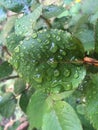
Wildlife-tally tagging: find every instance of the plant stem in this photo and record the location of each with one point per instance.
(8, 78)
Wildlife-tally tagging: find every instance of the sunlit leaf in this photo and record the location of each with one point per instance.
(36, 109)
(61, 116)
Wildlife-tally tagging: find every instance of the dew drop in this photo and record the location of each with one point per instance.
(67, 86)
(56, 73)
(56, 90)
(52, 63)
(37, 78)
(34, 35)
(53, 48)
(47, 42)
(67, 73)
(58, 38)
(76, 75)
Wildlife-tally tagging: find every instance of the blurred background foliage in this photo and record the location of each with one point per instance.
(18, 19)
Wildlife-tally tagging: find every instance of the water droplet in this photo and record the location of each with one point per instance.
(67, 73)
(56, 73)
(58, 38)
(34, 35)
(47, 42)
(67, 86)
(76, 75)
(56, 89)
(38, 78)
(62, 52)
(53, 47)
(52, 63)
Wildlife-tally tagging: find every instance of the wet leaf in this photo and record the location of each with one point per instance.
(24, 25)
(12, 41)
(52, 53)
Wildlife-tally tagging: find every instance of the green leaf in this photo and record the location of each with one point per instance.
(50, 59)
(12, 41)
(52, 11)
(7, 28)
(3, 14)
(36, 109)
(19, 86)
(24, 99)
(86, 36)
(61, 116)
(67, 1)
(24, 25)
(61, 96)
(7, 105)
(13, 5)
(93, 18)
(96, 37)
(91, 94)
(5, 69)
(89, 7)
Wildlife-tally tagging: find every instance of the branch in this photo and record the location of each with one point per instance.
(46, 20)
(8, 78)
(4, 48)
